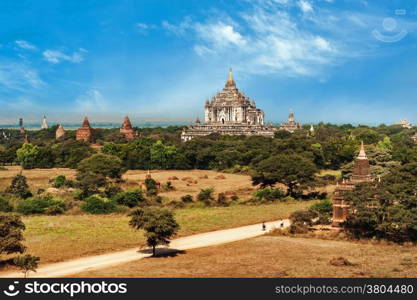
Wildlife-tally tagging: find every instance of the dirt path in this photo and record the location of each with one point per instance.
(75, 266)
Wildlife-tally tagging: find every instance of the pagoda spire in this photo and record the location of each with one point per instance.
(362, 153)
(230, 81)
(86, 123)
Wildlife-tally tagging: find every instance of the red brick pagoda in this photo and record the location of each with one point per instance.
(85, 132)
(127, 129)
(361, 173)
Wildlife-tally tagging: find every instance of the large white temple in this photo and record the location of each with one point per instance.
(230, 112)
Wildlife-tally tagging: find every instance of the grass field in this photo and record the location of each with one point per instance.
(275, 256)
(57, 238)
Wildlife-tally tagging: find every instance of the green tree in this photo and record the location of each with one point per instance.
(11, 234)
(291, 170)
(108, 166)
(162, 156)
(159, 225)
(27, 156)
(26, 263)
(5, 205)
(19, 187)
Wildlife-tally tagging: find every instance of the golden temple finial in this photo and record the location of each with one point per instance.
(230, 79)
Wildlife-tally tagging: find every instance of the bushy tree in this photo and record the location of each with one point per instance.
(105, 165)
(130, 198)
(19, 187)
(291, 170)
(26, 263)
(11, 234)
(206, 196)
(386, 209)
(159, 225)
(98, 205)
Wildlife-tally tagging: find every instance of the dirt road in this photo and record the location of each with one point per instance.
(75, 266)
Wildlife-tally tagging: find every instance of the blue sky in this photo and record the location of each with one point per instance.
(329, 60)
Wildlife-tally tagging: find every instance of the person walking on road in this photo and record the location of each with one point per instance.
(263, 226)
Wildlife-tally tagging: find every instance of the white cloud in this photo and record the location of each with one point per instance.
(55, 56)
(91, 101)
(305, 6)
(220, 35)
(25, 45)
(17, 76)
(143, 28)
(179, 29)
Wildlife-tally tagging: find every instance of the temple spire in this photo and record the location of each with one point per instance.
(362, 153)
(230, 81)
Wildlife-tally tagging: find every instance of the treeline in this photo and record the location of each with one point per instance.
(329, 147)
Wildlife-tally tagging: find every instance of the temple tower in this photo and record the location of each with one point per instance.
(361, 173)
(85, 132)
(127, 129)
(44, 123)
(60, 132)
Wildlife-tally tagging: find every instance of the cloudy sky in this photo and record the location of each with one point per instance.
(329, 60)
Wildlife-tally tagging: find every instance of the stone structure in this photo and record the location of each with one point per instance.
(291, 125)
(127, 129)
(85, 132)
(404, 124)
(60, 132)
(44, 123)
(230, 112)
(26, 140)
(22, 128)
(361, 173)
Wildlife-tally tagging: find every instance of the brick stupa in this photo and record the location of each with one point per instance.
(85, 132)
(127, 129)
(361, 173)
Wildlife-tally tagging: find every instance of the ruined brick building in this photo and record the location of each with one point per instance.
(85, 132)
(127, 129)
(230, 112)
(361, 173)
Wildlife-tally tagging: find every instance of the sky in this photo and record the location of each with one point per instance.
(338, 61)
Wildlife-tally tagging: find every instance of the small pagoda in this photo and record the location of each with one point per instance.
(361, 173)
(85, 132)
(291, 125)
(127, 129)
(60, 132)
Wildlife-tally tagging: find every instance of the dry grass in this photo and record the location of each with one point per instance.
(58, 238)
(275, 256)
(233, 183)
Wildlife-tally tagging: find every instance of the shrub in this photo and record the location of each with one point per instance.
(268, 195)
(222, 199)
(151, 187)
(19, 187)
(324, 211)
(301, 220)
(98, 205)
(5, 205)
(234, 198)
(59, 181)
(168, 186)
(40, 205)
(130, 198)
(112, 190)
(206, 196)
(187, 198)
(176, 204)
